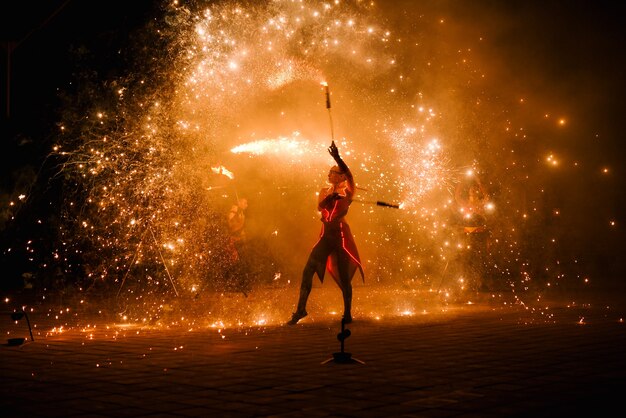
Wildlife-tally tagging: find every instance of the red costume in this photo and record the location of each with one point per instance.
(336, 245)
(335, 250)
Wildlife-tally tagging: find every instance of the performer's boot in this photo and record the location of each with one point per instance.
(301, 311)
(296, 316)
(305, 290)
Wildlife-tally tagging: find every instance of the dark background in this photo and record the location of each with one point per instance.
(40, 43)
(45, 45)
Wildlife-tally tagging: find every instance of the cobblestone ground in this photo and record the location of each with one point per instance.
(481, 360)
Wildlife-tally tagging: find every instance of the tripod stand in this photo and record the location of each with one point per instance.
(342, 357)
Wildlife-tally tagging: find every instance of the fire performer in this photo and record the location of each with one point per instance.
(236, 220)
(335, 250)
(474, 202)
(472, 205)
(238, 270)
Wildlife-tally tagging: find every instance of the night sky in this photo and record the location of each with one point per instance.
(568, 56)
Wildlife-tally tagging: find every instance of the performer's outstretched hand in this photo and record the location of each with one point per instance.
(334, 152)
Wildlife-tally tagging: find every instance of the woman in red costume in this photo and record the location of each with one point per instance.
(335, 250)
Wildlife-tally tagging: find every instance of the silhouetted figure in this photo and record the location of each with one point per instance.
(238, 273)
(237, 219)
(473, 202)
(335, 250)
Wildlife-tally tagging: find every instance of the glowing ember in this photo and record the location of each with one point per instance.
(224, 171)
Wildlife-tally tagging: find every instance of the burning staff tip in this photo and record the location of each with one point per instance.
(388, 205)
(327, 95)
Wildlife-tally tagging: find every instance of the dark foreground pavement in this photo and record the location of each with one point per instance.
(475, 361)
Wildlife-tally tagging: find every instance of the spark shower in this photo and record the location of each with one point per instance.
(225, 100)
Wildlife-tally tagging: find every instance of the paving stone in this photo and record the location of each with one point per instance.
(479, 361)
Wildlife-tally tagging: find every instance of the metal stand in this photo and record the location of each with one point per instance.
(343, 357)
(16, 316)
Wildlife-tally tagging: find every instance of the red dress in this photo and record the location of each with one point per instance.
(336, 250)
